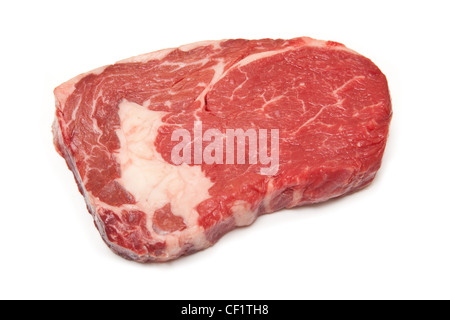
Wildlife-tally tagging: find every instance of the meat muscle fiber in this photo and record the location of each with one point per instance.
(328, 107)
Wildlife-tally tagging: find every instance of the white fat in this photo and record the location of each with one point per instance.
(155, 55)
(190, 46)
(161, 54)
(218, 72)
(243, 216)
(147, 176)
(296, 197)
(268, 196)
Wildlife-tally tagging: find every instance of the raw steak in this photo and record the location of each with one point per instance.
(114, 127)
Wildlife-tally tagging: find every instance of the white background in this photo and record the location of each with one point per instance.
(389, 241)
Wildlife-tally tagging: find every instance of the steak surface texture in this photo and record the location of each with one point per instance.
(115, 128)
